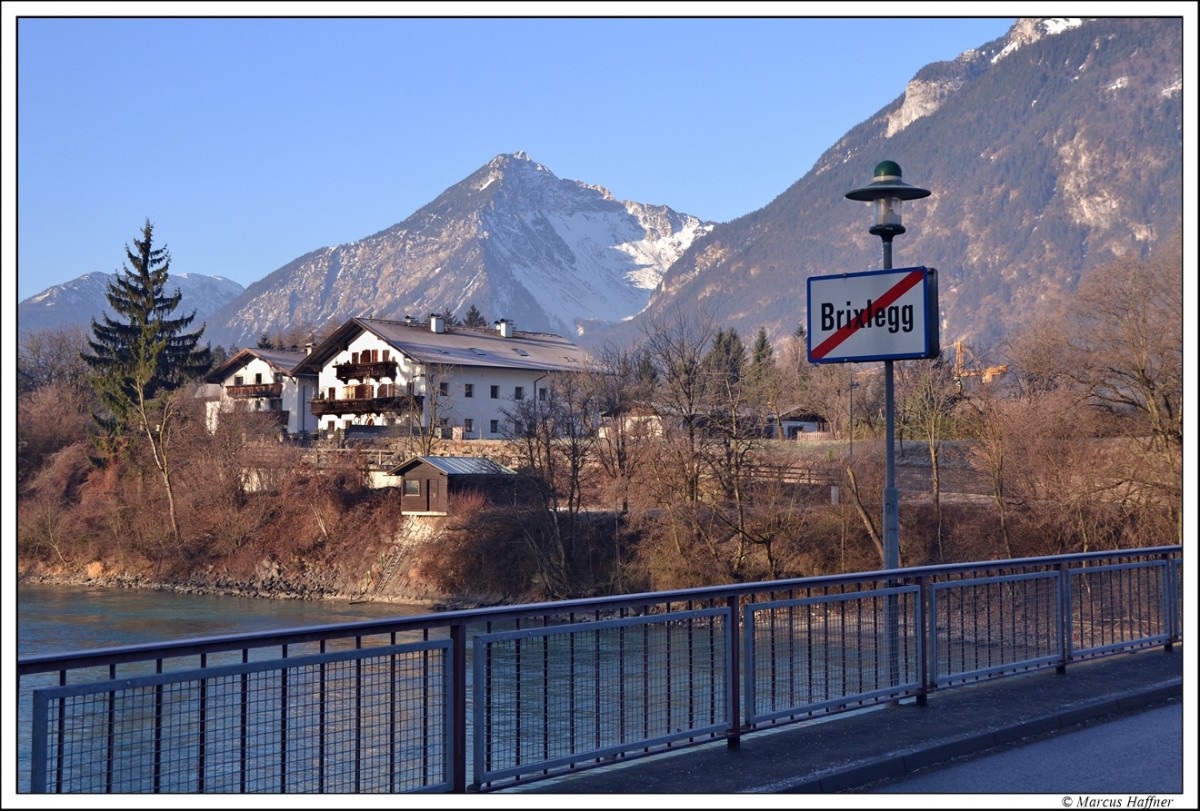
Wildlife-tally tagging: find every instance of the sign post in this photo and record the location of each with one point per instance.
(886, 193)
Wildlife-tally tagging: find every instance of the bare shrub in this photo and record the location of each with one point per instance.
(480, 555)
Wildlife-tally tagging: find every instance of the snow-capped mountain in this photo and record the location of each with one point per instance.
(77, 302)
(512, 239)
(1051, 152)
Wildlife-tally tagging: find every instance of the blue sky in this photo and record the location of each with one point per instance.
(249, 142)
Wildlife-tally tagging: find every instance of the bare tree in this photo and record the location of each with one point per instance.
(438, 406)
(553, 437)
(623, 388)
(51, 357)
(929, 395)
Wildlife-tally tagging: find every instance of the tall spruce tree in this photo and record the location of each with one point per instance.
(141, 355)
(474, 318)
(726, 359)
(762, 355)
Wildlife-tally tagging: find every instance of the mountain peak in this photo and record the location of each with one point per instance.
(512, 239)
(1028, 30)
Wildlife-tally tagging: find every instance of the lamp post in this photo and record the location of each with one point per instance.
(885, 194)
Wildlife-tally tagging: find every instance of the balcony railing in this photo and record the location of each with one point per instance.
(365, 371)
(400, 404)
(255, 390)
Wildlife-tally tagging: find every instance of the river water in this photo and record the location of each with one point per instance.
(62, 619)
(65, 619)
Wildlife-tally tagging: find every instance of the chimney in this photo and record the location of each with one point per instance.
(308, 349)
(437, 323)
(505, 328)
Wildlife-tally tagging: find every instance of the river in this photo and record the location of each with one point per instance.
(65, 619)
(62, 619)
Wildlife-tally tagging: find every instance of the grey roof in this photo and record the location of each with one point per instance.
(460, 466)
(461, 346)
(282, 360)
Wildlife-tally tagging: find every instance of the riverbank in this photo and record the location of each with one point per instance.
(388, 575)
(263, 592)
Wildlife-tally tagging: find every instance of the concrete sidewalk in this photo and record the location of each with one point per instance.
(841, 752)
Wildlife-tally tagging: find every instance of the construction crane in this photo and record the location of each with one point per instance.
(986, 373)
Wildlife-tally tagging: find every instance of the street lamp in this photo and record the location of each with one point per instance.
(885, 194)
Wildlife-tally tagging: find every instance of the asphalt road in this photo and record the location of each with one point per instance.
(1135, 754)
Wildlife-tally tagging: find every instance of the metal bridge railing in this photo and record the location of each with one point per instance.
(490, 698)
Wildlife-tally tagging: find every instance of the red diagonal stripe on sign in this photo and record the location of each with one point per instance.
(901, 287)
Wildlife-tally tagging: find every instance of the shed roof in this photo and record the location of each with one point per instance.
(457, 466)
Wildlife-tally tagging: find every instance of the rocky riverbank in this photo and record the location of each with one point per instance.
(388, 575)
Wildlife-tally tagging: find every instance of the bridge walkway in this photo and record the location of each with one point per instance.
(841, 752)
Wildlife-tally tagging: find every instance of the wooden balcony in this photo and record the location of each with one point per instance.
(255, 390)
(402, 404)
(365, 371)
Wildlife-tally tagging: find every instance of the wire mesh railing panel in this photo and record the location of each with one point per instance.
(358, 721)
(1119, 607)
(816, 654)
(992, 625)
(567, 696)
(504, 695)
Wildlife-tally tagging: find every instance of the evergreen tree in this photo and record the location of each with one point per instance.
(264, 342)
(727, 357)
(142, 356)
(474, 318)
(219, 356)
(762, 355)
(646, 374)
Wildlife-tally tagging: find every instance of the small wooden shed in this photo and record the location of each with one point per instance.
(427, 483)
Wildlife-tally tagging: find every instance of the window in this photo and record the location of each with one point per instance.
(468, 389)
(443, 388)
(542, 394)
(412, 487)
(494, 427)
(444, 422)
(519, 393)
(495, 392)
(258, 377)
(237, 381)
(468, 426)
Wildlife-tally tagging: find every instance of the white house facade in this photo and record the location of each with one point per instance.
(263, 380)
(457, 381)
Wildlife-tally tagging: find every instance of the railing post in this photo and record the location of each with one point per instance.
(734, 739)
(1064, 615)
(458, 762)
(1169, 595)
(923, 630)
